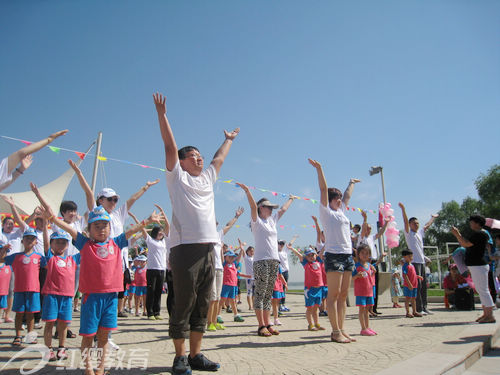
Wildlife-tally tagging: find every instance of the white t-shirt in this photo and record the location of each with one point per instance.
(157, 253)
(319, 246)
(370, 241)
(14, 239)
(193, 210)
(415, 241)
(337, 230)
(266, 238)
(248, 265)
(283, 255)
(217, 251)
(4, 171)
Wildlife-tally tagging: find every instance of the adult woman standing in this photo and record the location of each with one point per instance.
(475, 248)
(266, 258)
(338, 251)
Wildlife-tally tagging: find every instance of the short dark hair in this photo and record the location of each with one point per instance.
(154, 232)
(357, 226)
(479, 219)
(248, 249)
(412, 219)
(182, 153)
(406, 252)
(497, 236)
(7, 218)
(333, 193)
(67, 206)
(362, 247)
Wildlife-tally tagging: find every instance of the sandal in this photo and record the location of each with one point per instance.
(488, 319)
(17, 341)
(272, 330)
(346, 335)
(408, 315)
(342, 340)
(263, 331)
(70, 335)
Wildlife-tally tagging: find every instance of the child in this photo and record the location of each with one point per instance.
(313, 286)
(140, 284)
(248, 259)
(396, 291)
(26, 267)
(230, 283)
(58, 290)
(5, 275)
(410, 284)
(278, 293)
(364, 280)
(101, 276)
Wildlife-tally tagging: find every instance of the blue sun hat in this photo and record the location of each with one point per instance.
(60, 234)
(98, 214)
(30, 232)
(309, 251)
(230, 253)
(141, 258)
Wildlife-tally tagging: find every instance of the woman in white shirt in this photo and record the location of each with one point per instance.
(339, 262)
(266, 258)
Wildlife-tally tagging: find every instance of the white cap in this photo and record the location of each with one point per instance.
(107, 193)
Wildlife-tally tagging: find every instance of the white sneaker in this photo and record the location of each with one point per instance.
(23, 327)
(113, 345)
(38, 325)
(424, 313)
(30, 338)
(277, 322)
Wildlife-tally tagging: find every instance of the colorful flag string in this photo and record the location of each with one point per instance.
(82, 155)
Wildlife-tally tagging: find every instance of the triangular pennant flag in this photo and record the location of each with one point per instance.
(282, 226)
(314, 201)
(237, 226)
(81, 155)
(144, 166)
(283, 195)
(55, 149)
(161, 169)
(102, 158)
(263, 190)
(314, 226)
(306, 199)
(228, 181)
(27, 143)
(274, 193)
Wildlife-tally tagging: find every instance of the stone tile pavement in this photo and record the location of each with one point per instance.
(241, 351)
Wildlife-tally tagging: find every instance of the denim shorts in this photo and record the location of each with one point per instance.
(338, 262)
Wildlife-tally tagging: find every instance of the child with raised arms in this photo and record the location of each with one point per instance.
(313, 286)
(58, 290)
(410, 278)
(248, 260)
(5, 275)
(101, 276)
(230, 282)
(363, 276)
(26, 267)
(140, 284)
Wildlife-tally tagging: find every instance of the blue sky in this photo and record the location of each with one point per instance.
(413, 86)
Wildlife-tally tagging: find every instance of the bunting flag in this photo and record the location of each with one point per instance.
(82, 155)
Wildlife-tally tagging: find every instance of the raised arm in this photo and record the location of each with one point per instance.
(231, 222)
(348, 191)
(89, 194)
(140, 193)
(143, 231)
(251, 201)
(298, 253)
(461, 240)
(431, 220)
(25, 164)
(323, 187)
(15, 214)
(166, 227)
(16, 157)
(223, 150)
(286, 205)
(46, 239)
(364, 227)
(171, 157)
(154, 218)
(405, 217)
(318, 229)
(384, 227)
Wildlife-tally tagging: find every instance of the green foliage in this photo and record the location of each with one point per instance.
(488, 189)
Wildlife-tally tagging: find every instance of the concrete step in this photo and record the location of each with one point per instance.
(488, 364)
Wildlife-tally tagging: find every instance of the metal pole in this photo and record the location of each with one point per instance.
(383, 185)
(381, 238)
(96, 162)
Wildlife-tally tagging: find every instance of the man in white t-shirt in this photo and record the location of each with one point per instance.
(193, 235)
(414, 236)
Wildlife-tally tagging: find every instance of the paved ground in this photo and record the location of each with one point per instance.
(241, 351)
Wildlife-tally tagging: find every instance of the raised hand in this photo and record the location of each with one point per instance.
(26, 162)
(160, 105)
(401, 205)
(154, 218)
(363, 213)
(315, 219)
(73, 165)
(151, 183)
(316, 164)
(57, 134)
(243, 186)
(435, 215)
(455, 231)
(8, 200)
(354, 180)
(231, 135)
(242, 244)
(239, 211)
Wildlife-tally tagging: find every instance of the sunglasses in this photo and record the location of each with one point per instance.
(112, 199)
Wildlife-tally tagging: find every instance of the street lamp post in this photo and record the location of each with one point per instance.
(373, 171)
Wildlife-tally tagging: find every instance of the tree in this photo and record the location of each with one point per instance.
(488, 189)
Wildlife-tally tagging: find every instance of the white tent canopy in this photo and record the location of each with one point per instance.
(53, 192)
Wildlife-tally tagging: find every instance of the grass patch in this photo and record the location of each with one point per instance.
(435, 292)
